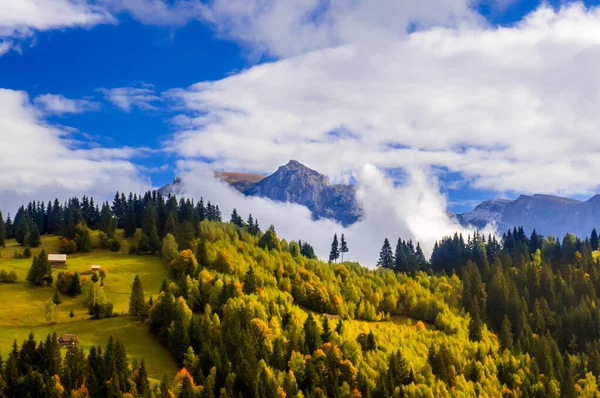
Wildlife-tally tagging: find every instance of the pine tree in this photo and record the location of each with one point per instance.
(170, 225)
(34, 236)
(137, 303)
(593, 239)
(343, 247)
(475, 323)
(334, 253)
(130, 223)
(141, 381)
(56, 298)
(236, 219)
(22, 224)
(165, 389)
(40, 270)
(34, 276)
(312, 335)
(386, 256)
(107, 223)
(506, 335)
(2, 230)
(250, 283)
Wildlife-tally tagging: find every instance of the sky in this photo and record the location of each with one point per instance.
(470, 99)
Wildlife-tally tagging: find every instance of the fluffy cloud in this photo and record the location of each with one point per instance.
(58, 104)
(39, 161)
(285, 28)
(22, 18)
(509, 109)
(420, 215)
(127, 98)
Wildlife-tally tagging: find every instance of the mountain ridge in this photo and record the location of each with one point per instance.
(297, 183)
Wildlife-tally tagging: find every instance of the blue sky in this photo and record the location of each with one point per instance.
(164, 48)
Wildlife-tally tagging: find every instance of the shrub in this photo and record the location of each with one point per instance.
(67, 246)
(115, 245)
(27, 252)
(105, 241)
(8, 277)
(68, 283)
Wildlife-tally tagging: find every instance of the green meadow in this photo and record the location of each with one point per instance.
(22, 307)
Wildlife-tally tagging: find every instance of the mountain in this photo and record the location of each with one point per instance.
(549, 215)
(294, 183)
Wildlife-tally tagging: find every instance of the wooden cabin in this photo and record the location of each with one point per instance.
(96, 268)
(57, 260)
(68, 340)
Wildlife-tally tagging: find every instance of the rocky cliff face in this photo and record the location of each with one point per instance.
(549, 215)
(296, 183)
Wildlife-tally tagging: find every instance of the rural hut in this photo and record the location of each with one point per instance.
(68, 340)
(57, 260)
(96, 268)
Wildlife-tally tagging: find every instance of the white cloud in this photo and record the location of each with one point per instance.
(39, 161)
(510, 109)
(58, 104)
(158, 12)
(22, 18)
(127, 98)
(5, 46)
(285, 28)
(420, 215)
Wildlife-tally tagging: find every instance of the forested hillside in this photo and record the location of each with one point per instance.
(245, 313)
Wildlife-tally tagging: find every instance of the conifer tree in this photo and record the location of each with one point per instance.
(130, 223)
(141, 381)
(107, 223)
(236, 219)
(2, 230)
(334, 253)
(34, 236)
(386, 256)
(10, 228)
(22, 225)
(137, 303)
(250, 283)
(40, 270)
(56, 298)
(506, 335)
(312, 335)
(343, 247)
(170, 225)
(593, 238)
(475, 323)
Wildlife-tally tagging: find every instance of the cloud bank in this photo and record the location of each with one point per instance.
(42, 162)
(508, 109)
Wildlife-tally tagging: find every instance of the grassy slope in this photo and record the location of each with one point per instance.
(22, 307)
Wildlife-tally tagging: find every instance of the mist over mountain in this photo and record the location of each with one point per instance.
(294, 183)
(297, 183)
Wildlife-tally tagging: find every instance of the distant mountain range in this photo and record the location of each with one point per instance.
(549, 215)
(296, 183)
